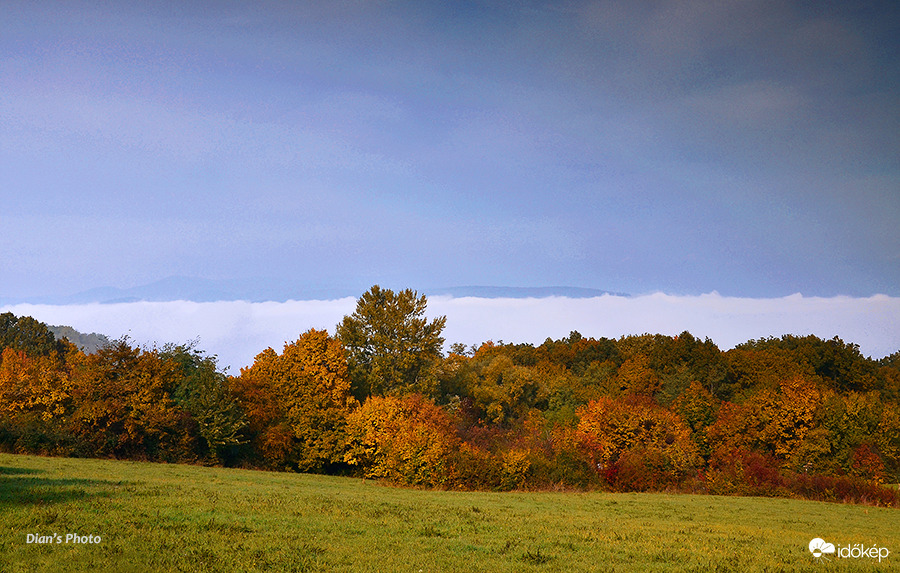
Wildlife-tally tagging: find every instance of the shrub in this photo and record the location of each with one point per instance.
(843, 489)
(476, 468)
(516, 468)
(744, 472)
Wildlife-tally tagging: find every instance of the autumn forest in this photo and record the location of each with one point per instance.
(795, 416)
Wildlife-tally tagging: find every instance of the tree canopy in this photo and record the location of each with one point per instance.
(26, 334)
(392, 347)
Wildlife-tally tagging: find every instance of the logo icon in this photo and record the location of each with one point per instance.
(818, 547)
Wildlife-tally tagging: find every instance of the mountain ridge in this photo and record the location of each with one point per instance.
(251, 290)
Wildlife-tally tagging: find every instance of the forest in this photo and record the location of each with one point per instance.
(795, 416)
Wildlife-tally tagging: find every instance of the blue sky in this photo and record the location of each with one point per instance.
(746, 147)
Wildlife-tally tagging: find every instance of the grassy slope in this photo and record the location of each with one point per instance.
(155, 517)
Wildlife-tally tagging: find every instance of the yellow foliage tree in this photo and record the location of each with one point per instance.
(779, 420)
(407, 440)
(636, 377)
(302, 394)
(37, 384)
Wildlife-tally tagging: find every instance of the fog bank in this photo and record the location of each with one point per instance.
(236, 331)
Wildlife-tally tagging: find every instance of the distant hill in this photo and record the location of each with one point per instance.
(268, 289)
(88, 343)
(521, 292)
(197, 290)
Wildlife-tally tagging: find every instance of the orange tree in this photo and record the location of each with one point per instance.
(35, 398)
(297, 402)
(636, 444)
(34, 384)
(779, 419)
(407, 440)
(124, 405)
(636, 377)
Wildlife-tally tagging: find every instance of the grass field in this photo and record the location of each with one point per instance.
(153, 517)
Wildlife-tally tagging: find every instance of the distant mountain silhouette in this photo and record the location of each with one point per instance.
(262, 290)
(521, 292)
(196, 290)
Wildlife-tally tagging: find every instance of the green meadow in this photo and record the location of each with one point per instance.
(157, 517)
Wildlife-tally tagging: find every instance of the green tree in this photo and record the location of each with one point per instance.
(501, 389)
(203, 393)
(27, 334)
(698, 408)
(392, 348)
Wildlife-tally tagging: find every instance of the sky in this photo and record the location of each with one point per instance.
(733, 165)
(746, 147)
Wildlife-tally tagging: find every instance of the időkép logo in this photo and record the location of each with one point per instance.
(822, 549)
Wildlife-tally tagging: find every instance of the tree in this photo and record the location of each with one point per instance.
(38, 384)
(27, 334)
(778, 420)
(698, 408)
(124, 404)
(636, 377)
(498, 387)
(636, 444)
(407, 440)
(298, 401)
(204, 394)
(392, 348)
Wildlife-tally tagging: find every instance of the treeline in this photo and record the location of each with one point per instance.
(790, 416)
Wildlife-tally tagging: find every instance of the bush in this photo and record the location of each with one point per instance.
(744, 472)
(476, 468)
(844, 489)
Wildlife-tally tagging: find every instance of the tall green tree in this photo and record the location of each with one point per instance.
(392, 348)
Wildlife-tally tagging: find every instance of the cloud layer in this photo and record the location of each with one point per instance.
(748, 147)
(236, 331)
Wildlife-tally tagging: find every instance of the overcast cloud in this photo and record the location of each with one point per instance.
(748, 147)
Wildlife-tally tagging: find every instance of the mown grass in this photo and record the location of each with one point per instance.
(154, 517)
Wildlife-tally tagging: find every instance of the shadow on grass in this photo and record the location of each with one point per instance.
(25, 489)
(19, 471)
